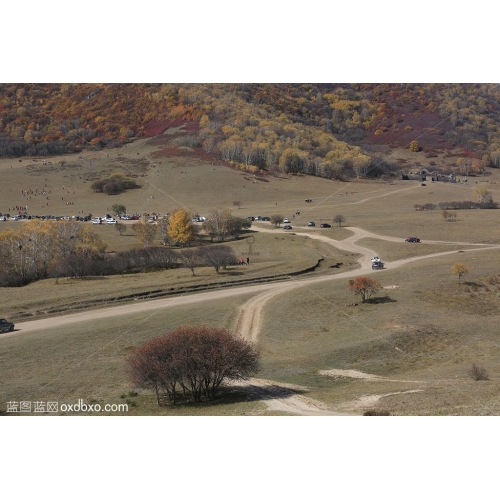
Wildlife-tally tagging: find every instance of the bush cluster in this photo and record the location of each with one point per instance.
(114, 184)
(457, 205)
(191, 363)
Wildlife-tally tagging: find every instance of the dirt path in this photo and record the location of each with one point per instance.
(249, 318)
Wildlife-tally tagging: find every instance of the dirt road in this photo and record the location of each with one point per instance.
(250, 314)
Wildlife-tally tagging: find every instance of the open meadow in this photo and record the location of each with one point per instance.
(407, 351)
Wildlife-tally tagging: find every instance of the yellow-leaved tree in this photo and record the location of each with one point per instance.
(180, 228)
(459, 268)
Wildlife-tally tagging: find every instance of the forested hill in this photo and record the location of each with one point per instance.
(331, 130)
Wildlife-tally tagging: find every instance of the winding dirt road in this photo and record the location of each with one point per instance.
(277, 396)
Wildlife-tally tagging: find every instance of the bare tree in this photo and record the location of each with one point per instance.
(276, 219)
(218, 256)
(121, 228)
(339, 219)
(190, 258)
(237, 203)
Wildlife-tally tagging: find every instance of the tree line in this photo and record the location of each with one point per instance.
(42, 249)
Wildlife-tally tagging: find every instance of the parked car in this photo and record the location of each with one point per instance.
(266, 218)
(111, 221)
(412, 239)
(311, 224)
(6, 326)
(287, 227)
(96, 220)
(325, 225)
(286, 221)
(251, 218)
(135, 217)
(258, 217)
(125, 217)
(377, 265)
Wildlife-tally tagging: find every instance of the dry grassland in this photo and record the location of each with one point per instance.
(423, 334)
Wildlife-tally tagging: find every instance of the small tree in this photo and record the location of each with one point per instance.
(145, 233)
(481, 194)
(449, 216)
(118, 209)
(237, 203)
(460, 269)
(478, 372)
(339, 219)
(364, 287)
(121, 228)
(190, 258)
(414, 146)
(276, 219)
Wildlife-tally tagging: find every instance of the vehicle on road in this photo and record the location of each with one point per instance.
(325, 225)
(311, 224)
(96, 220)
(111, 221)
(377, 263)
(287, 227)
(286, 221)
(412, 239)
(6, 326)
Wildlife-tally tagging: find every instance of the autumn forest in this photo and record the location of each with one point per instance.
(327, 130)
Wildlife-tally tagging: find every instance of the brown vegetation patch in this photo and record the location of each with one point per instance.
(170, 151)
(156, 127)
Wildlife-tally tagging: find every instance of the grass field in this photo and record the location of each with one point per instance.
(88, 361)
(424, 332)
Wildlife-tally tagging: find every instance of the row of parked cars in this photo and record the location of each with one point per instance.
(259, 217)
(309, 224)
(8, 217)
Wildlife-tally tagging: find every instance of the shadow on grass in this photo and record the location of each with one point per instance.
(379, 300)
(241, 394)
(262, 393)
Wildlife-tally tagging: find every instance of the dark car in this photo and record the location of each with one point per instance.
(6, 326)
(412, 239)
(377, 265)
(287, 227)
(325, 225)
(265, 218)
(311, 224)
